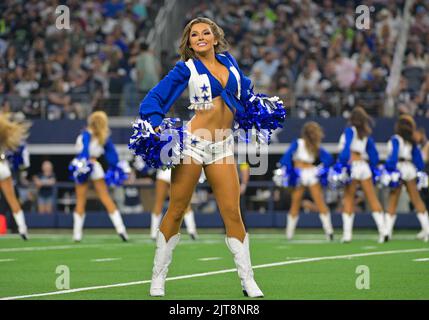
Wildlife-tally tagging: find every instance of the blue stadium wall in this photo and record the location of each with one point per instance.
(65, 131)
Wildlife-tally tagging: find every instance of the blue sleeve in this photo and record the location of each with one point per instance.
(286, 160)
(372, 152)
(86, 139)
(417, 158)
(326, 158)
(344, 155)
(160, 99)
(392, 160)
(110, 153)
(246, 83)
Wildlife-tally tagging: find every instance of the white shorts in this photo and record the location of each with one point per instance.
(308, 177)
(164, 175)
(360, 170)
(408, 170)
(4, 170)
(207, 152)
(97, 171)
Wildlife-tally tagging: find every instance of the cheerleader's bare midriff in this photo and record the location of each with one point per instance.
(214, 124)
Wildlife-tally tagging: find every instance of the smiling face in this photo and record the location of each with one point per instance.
(202, 39)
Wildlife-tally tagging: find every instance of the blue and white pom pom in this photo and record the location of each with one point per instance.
(339, 175)
(323, 175)
(20, 158)
(283, 177)
(422, 180)
(80, 170)
(390, 178)
(117, 175)
(263, 113)
(377, 173)
(161, 149)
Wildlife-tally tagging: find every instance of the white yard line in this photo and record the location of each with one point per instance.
(421, 260)
(205, 274)
(210, 259)
(105, 259)
(6, 260)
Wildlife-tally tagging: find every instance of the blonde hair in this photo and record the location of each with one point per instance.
(98, 124)
(187, 53)
(12, 133)
(312, 134)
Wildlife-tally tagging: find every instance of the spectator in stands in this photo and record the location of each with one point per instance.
(44, 182)
(148, 69)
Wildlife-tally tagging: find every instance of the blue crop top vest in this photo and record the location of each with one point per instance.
(160, 99)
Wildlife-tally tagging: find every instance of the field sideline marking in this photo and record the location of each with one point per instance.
(421, 260)
(105, 259)
(6, 260)
(196, 275)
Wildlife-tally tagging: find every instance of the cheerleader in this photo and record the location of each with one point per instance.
(11, 136)
(219, 93)
(162, 185)
(357, 150)
(299, 161)
(405, 157)
(90, 145)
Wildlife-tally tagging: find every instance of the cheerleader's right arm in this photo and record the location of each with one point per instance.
(159, 100)
(392, 160)
(344, 155)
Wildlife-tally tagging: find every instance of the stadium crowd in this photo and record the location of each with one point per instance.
(53, 73)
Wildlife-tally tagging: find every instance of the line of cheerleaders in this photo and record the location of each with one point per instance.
(304, 165)
(357, 164)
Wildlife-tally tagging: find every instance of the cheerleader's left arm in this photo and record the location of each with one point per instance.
(372, 152)
(417, 158)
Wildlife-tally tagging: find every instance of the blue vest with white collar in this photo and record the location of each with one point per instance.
(203, 88)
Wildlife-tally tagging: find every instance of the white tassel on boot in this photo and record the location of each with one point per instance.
(22, 226)
(191, 227)
(327, 225)
(381, 226)
(163, 257)
(347, 227)
(78, 222)
(155, 221)
(241, 254)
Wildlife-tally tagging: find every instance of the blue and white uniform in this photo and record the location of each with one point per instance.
(404, 157)
(350, 142)
(87, 147)
(4, 167)
(203, 88)
(298, 152)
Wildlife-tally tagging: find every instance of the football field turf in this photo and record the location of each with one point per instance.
(102, 267)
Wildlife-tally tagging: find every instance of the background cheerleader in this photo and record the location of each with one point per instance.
(162, 186)
(90, 145)
(356, 146)
(12, 134)
(299, 161)
(405, 157)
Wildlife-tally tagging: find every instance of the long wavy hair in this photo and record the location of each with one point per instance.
(405, 127)
(12, 133)
(312, 134)
(360, 119)
(98, 124)
(186, 52)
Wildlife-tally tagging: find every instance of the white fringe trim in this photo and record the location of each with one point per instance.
(201, 106)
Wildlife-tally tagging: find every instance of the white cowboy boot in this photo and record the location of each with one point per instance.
(241, 255)
(163, 257)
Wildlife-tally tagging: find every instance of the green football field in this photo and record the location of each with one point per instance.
(102, 267)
